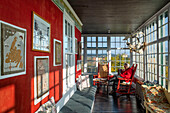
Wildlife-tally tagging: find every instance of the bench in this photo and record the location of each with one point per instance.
(155, 99)
(82, 101)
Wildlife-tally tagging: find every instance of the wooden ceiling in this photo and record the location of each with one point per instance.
(120, 16)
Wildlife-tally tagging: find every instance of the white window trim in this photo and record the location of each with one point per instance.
(67, 17)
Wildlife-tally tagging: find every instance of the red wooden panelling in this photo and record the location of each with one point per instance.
(17, 93)
(78, 36)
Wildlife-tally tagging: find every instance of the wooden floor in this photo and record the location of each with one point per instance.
(116, 104)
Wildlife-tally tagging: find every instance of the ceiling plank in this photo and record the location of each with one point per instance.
(120, 16)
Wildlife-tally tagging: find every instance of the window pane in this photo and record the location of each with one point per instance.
(82, 52)
(104, 44)
(99, 44)
(89, 58)
(104, 52)
(88, 39)
(94, 58)
(99, 52)
(166, 17)
(117, 39)
(65, 27)
(122, 39)
(117, 45)
(94, 39)
(82, 39)
(99, 39)
(88, 44)
(93, 44)
(71, 31)
(104, 39)
(93, 52)
(166, 46)
(113, 45)
(88, 52)
(166, 29)
(113, 39)
(68, 29)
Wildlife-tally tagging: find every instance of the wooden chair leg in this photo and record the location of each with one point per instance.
(118, 86)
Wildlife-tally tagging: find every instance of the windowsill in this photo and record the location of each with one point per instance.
(115, 73)
(69, 88)
(139, 78)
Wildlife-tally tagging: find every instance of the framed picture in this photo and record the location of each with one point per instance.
(41, 77)
(76, 46)
(57, 53)
(40, 34)
(79, 50)
(13, 50)
(78, 65)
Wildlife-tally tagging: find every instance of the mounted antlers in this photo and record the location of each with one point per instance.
(139, 47)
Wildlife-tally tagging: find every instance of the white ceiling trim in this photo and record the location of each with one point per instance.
(73, 12)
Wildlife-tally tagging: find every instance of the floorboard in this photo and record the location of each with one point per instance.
(116, 104)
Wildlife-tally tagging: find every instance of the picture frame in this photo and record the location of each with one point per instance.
(78, 65)
(41, 78)
(76, 46)
(41, 34)
(13, 50)
(79, 50)
(57, 53)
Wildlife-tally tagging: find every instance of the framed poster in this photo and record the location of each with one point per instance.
(13, 50)
(41, 77)
(78, 65)
(57, 53)
(79, 50)
(76, 46)
(40, 34)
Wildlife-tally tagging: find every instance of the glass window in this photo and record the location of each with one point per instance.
(119, 53)
(69, 55)
(93, 39)
(99, 39)
(163, 25)
(82, 54)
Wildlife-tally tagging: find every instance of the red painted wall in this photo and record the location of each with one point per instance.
(17, 93)
(78, 36)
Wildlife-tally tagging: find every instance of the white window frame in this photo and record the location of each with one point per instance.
(71, 78)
